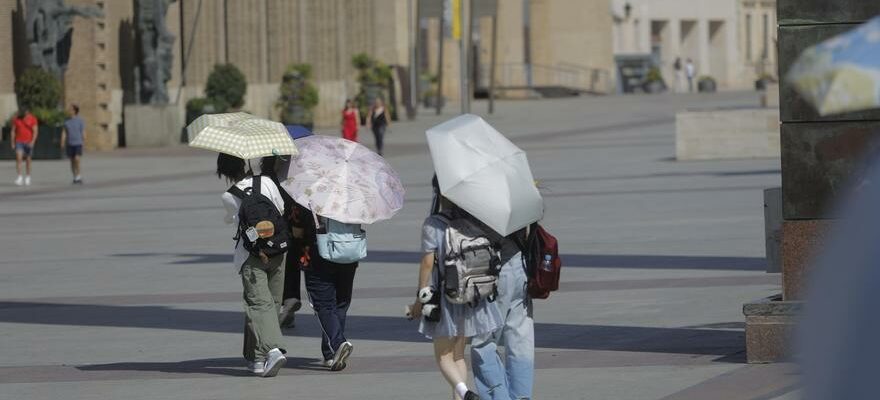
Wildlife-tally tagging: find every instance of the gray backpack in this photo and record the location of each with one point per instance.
(470, 263)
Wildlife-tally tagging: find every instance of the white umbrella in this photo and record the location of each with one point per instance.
(241, 135)
(485, 174)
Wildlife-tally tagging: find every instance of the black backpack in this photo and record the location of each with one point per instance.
(260, 225)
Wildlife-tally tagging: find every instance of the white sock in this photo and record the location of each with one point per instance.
(461, 389)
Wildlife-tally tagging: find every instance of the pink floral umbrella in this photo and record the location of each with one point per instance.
(343, 180)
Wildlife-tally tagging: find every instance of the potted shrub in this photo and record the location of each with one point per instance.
(224, 92)
(40, 92)
(654, 81)
(375, 80)
(428, 95)
(763, 80)
(706, 84)
(298, 96)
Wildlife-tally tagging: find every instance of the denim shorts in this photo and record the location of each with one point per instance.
(74, 150)
(24, 149)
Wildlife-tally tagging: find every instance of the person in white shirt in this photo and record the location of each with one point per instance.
(262, 280)
(691, 72)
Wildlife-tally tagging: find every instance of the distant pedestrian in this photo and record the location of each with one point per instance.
(691, 72)
(350, 120)
(24, 137)
(679, 75)
(262, 276)
(449, 325)
(73, 137)
(379, 121)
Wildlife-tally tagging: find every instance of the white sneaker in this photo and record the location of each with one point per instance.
(341, 356)
(27, 180)
(257, 367)
(329, 364)
(19, 181)
(274, 361)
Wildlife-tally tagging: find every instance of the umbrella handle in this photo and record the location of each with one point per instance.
(314, 216)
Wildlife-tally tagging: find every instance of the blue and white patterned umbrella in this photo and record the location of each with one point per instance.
(841, 74)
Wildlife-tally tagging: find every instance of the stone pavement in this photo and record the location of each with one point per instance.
(123, 288)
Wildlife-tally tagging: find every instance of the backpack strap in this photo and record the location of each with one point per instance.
(256, 184)
(235, 191)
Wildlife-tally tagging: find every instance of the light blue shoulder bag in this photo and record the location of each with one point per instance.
(339, 242)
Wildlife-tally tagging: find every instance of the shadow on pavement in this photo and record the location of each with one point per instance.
(210, 366)
(709, 263)
(380, 328)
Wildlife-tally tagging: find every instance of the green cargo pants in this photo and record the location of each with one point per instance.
(263, 290)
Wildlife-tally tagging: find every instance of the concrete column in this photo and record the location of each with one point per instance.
(7, 69)
(734, 59)
(220, 22)
(263, 27)
(644, 33)
(703, 64)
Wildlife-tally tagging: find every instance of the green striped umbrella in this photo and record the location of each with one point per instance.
(241, 135)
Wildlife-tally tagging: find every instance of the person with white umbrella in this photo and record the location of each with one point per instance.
(260, 243)
(483, 173)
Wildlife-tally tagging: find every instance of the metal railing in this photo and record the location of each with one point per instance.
(563, 75)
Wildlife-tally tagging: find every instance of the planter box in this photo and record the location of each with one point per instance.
(48, 146)
(769, 325)
(727, 134)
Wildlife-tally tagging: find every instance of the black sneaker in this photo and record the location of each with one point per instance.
(471, 396)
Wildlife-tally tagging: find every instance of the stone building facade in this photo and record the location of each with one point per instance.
(733, 41)
(261, 37)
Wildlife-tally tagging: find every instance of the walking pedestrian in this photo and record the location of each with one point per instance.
(350, 120)
(275, 167)
(454, 324)
(379, 121)
(691, 72)
(510, 378)
(262, 277)
(24, 137)
(73, 137)
(329, 286)
(679, 75)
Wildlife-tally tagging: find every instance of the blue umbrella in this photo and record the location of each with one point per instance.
(297, 131)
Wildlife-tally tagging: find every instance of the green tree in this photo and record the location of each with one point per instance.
(228, 84)
(40, 92)
(374, 78)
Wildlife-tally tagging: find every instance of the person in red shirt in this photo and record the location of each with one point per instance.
(24, 135)
(350, 120)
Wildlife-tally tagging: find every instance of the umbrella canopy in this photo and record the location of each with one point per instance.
(485, 174)
(297, 131)
(343, 180)
(240, 134)
(841, 74)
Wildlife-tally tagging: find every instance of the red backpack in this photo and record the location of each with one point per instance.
(542, 261)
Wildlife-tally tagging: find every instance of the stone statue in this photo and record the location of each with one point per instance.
(49, 32)
(157, 44)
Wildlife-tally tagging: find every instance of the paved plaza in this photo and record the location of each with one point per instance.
(123, 288)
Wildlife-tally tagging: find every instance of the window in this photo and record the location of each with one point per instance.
(766, 37)
(748, 37)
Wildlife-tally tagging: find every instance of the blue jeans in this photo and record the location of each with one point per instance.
(512, 378)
